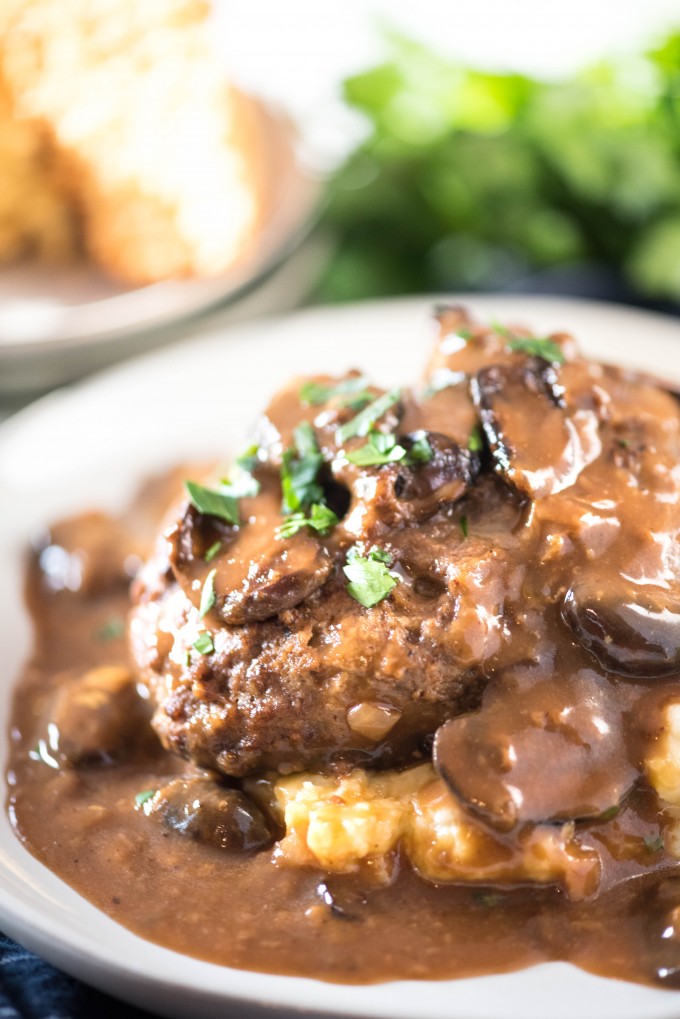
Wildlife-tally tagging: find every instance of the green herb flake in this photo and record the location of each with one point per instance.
(204, 644)
(249, 459)
(112, 629)
(212, 551)
(545, 348)
(421, 451)
(321, 519)
(207, 594)
(316, 393)
(362, 423)
(213, 503)
(370, 579)
(654, 844)
(381, 448)
(299, 471)
(610, 813)
(239, 484)
(476, 442)
(464, 525)
(144, 797)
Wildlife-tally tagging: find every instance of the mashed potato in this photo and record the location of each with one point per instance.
(364, 818)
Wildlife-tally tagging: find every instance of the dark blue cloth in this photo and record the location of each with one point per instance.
(32, 989)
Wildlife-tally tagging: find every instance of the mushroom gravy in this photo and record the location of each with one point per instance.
(557, 739)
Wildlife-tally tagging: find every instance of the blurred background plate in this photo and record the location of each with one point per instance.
(56, 322)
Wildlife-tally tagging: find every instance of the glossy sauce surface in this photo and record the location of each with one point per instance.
(554, 606)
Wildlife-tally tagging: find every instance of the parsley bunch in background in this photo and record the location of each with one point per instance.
(470, 180)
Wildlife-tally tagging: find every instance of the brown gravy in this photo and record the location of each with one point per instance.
(243, 911)
(253, 910)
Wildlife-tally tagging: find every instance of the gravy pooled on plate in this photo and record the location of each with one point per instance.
(399, 695)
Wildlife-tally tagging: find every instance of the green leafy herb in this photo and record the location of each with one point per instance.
(610, 813)
(536, 345)
(370, 580)
(545, 348)
(321, 518)
(299, 471)
(357, 401)
(207, 594)
(420, 451)
(476, 442)
(112, 629)
(366, 418)
(213, 503)
(144, 797)
(464, 525)
(240, 484)
(212, 551)
(204, 644)
(381, 448)
(316, 393)
(249, 459)
(654, 844)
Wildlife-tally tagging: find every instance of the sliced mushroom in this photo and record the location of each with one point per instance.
(257, 574)
(631, 629)
(512, 398)
(553, 751)
(441, 480)
(394, 494)
(96, 717)
(210, 813)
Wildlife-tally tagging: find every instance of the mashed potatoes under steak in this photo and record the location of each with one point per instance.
(363, 818)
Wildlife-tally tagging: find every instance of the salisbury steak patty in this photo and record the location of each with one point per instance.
(376, 559)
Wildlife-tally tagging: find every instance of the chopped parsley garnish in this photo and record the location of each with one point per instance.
(144, 797)
(465, 334)
(204, 644)
(240, 484)
(464, 525)
(316, 393)
(545, 348)
(321, 518)
(370, 580)
(213, 503)
(420, 451)
(654, 844)
(381, 448)
(475, 442)
(112, 629)
(249, 459)
(537, 346)
(207, 594)
(212, 551)
(358, 401)
(361, 424)
(299, 470)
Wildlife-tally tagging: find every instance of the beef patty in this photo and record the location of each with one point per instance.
(379, 559)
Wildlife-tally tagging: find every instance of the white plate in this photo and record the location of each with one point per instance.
(89, 446)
